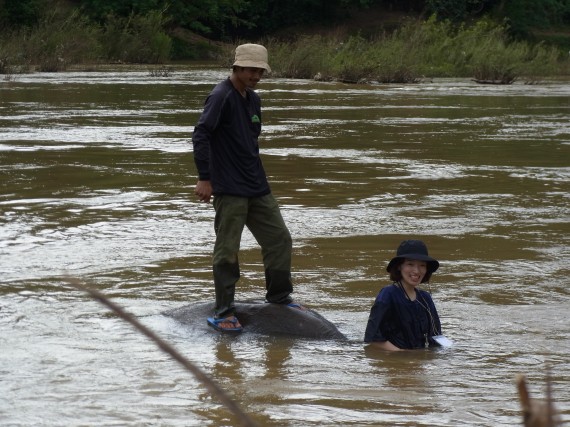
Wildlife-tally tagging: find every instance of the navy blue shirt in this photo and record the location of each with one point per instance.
(226, 150)
(405, 323)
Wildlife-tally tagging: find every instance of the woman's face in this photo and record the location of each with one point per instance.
(413, 272)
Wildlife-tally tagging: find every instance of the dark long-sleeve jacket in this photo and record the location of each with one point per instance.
(404, 323)
(225, 143)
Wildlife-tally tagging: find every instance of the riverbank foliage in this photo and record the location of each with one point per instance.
(416, 51)
(64, 37)
(470, 39)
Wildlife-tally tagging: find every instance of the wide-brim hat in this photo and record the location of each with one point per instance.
(252, 55)
(414, 249)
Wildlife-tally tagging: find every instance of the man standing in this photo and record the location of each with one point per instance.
(226, 153)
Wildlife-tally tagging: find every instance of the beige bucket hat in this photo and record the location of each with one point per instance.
(252, 55)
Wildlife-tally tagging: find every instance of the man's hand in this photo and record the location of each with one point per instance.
(203, 191)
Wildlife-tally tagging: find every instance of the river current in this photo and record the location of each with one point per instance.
(97, 181)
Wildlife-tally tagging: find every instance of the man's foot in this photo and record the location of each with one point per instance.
(225, 324)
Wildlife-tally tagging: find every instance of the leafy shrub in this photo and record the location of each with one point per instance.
(138, 39)
(431, 48)
(302, 58)
(59, 41)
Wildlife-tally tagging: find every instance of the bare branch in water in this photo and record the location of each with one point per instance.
(537, 413)
(212, 387)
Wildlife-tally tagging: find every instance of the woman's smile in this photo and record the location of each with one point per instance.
(413, 272)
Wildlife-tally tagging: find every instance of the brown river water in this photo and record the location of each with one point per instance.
(97, 180)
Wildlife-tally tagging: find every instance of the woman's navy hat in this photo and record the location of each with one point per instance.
(414, 249)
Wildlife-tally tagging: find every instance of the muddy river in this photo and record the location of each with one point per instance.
(97, 180)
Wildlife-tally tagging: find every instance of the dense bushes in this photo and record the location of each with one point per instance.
(49, 46)
(138, 39)
(62, 38)
(417, 50)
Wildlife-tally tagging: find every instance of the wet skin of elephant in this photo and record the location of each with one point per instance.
(264, 318)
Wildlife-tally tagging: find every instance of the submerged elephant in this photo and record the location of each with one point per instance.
(264, 318)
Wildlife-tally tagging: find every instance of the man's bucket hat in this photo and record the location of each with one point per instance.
(252, 55)
(414, 249)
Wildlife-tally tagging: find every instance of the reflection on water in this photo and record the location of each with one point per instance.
(97, 181)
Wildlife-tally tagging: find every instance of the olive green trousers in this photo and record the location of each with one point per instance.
(261, 215)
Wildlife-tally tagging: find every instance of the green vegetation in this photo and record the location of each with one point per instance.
(419, 50)
(495, 40)
(63, 36)
(48, 45)
(136, 39)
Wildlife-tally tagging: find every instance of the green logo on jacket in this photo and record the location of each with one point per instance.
(255, 119)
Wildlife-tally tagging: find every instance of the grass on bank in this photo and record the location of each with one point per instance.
(60, 41)
(419, 49)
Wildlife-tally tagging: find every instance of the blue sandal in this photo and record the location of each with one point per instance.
(215, 323)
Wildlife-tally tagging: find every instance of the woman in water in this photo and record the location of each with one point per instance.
(404, 316)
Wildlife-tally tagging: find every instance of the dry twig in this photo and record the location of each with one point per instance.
(212, 387)
(537, 413)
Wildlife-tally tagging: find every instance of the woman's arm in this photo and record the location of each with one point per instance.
(385, 345)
